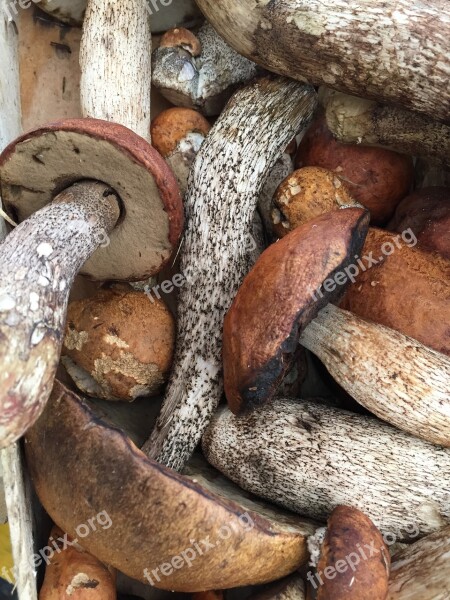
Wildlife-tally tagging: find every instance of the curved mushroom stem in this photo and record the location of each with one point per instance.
(40, 259)
(394, 376)
(224, 187)
(115, 59)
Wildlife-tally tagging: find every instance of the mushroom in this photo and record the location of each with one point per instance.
(118, 344)
(291, 282)
(309, 458)
(68, 160)
(199, 71)
(181, 12)
(355, 120)
(289, 588)
(177, 532)
(225, 183)
(426, 213)
(177, 134)
(351, 46)
(376, 178)
(421, 569)
(72, 572)
(351, 559)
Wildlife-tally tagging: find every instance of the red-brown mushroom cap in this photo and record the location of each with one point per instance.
(41, 163)
(278, 299)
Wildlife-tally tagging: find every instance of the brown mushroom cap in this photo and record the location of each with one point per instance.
(40, 164)
(277, 301)
(122, 340)
(81, 467)
(375, 177)
(354, 561)
(173, 125)
(306, 194)
(179, 37)
(427, 213)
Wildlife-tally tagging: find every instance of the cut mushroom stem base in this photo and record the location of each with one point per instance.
(394, 376)
(40, 259)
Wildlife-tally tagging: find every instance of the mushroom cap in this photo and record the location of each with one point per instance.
(375, 177)
(179, 37)
(80, 467)
(122, 340)
(41, 163)
(352, 538)
(427, 213)
(278, 299)
(173, 125)
(306, 194)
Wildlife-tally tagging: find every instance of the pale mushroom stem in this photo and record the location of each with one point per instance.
(40, 259)
(394, 376)
(115, 59)
(224, 187)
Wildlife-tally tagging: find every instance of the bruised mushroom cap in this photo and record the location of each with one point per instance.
(354, 560)
(119, 344)
(306, 194)
(426, 213)
(173, 125)
(375, 177)
(40, 164)
(80, 467)
(277, 301)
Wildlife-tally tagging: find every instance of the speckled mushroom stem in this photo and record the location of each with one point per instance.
(224, 187)
(350, 46)
(115, 59)
(40, 259)
(355, 120)
(394, 376)
(422, 569)
(310, 457)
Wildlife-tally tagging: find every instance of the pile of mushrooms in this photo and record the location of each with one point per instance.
(167, 404)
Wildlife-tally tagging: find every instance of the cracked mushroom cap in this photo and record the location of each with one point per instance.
(306, 194)
(375, 177)
(41, 163)
(277, 300)
(119, 344)
(354, 561)
(80, 466)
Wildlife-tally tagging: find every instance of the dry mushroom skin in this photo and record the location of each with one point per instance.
(395, 479)
(421, 569)
(251, 542)
(353, 561)
(224, 186)
(42, 255)
(346, 46)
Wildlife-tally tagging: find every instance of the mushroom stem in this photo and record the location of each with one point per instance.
(115, 59)
(309, 457)
(225, 184)
(350, 46)
(422, 569)
(355, 120)
(394, 376)
(40, 259)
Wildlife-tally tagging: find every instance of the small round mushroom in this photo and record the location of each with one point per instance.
(201, 71)
(426, 213)
(119, 344)
(177, 134)
(309, 458)
(306, 194)
(375, 177)
(55, 171)
(352, 560)
(283, 297)
(185, 533)
(163, 14)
